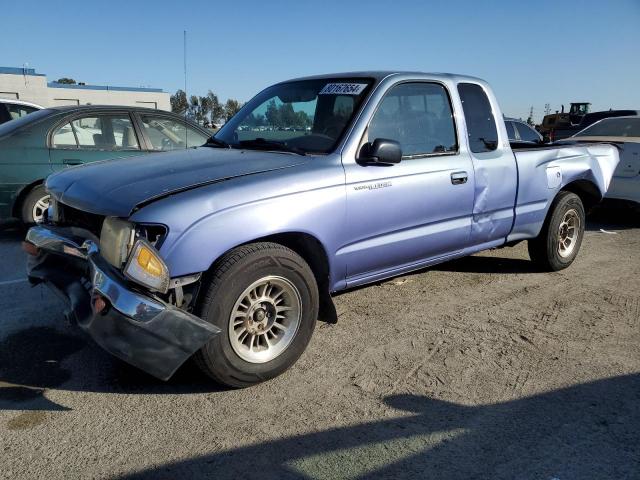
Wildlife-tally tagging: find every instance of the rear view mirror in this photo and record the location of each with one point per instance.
(381, 152)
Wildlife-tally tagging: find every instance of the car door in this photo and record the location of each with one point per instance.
(496, 173)
(402, 216)
(164, 133)
(92, 136)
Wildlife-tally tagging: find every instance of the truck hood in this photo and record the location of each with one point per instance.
(116, 187)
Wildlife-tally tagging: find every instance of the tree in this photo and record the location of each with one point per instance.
(231, 108)
(179, 102)
(273, 114)
(216, 109)
(66, 81)
(198, 108)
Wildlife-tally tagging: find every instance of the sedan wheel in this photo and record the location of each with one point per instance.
(41, 206)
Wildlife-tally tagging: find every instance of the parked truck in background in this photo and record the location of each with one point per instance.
(229, 252)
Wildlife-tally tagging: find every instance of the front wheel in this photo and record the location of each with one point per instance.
(559, 241)
(34, 205)
(264, 298)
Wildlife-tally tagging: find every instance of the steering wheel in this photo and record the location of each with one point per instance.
(331, 131)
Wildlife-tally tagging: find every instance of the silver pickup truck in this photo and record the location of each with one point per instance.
(230, 251)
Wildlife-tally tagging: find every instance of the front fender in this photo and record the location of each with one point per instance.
(207, 222)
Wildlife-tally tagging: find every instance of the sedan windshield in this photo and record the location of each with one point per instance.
(613, 127)
(305, 116)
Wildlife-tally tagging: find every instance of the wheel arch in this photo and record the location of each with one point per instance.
(589, 193)
(22, 194)
(313, 251)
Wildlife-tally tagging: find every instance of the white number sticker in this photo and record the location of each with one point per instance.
(343, 89)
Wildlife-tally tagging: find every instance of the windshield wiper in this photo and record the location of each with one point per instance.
(263, 144)
(216, 142)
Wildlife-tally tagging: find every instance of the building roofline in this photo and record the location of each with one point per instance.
(104, 87)
(20, 71)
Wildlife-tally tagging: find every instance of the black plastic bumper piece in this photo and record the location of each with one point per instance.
(137, 328)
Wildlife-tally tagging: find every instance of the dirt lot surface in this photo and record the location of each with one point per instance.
(478, 368)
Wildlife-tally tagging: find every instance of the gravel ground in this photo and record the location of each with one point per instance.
(478, 368)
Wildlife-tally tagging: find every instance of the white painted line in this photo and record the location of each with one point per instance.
(11, 282)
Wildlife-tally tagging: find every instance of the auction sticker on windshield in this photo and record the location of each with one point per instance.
(343, 89)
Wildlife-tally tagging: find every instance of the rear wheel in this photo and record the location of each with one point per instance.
(264, 298)
(34, 205)
(559, 241)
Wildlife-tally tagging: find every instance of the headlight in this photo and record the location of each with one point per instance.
(147, 268)
(116, 238)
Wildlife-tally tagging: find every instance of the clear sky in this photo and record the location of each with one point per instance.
(533, 52)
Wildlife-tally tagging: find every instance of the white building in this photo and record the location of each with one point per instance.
(25, 84)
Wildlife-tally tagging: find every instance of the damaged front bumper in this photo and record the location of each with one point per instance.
(140, 329)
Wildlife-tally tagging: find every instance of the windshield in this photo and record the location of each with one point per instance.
(613, 127)
(307, 116)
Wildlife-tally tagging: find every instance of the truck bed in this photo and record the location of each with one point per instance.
(545, 168)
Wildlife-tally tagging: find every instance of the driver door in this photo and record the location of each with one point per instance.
(404, 215)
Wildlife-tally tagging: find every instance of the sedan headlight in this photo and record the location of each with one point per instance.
(147, 268)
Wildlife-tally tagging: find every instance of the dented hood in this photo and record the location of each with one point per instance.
(116, 187)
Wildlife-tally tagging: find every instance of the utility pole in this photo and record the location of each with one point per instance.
(530, 119)
(547, 109)
(185, 87)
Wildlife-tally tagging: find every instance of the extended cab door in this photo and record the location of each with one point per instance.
(496, 173)
(92, 136)
(404, 215)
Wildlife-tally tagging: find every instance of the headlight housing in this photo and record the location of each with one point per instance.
(116, 238)
(145, 267)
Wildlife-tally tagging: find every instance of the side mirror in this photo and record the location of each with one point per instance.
(546, 138)
(381, 152)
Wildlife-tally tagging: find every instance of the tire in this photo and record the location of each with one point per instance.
(34, 204)
(228, 358)
(565, 216)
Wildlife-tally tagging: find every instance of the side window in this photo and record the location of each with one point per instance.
(167, 134)
(103, 132)
(481, 126)
(419, 116)
(510, 131)
(63, 137)
(527, 134)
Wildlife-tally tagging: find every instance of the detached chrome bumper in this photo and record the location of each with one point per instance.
(137, 328)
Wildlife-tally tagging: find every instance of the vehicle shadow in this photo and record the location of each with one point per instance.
(482, 264)
(613, 216)
(39, 358)
(590, 430)
(11, 231)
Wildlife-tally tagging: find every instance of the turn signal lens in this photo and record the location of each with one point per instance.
(147, 260)
(147, 268)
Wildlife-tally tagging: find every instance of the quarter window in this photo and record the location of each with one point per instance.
(481, 125)
(64, 137)
(418, 116)
(167, 134)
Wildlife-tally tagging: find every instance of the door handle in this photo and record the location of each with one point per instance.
(458, 178)
(72, 161)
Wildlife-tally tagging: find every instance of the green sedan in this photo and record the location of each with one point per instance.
(49, 140)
